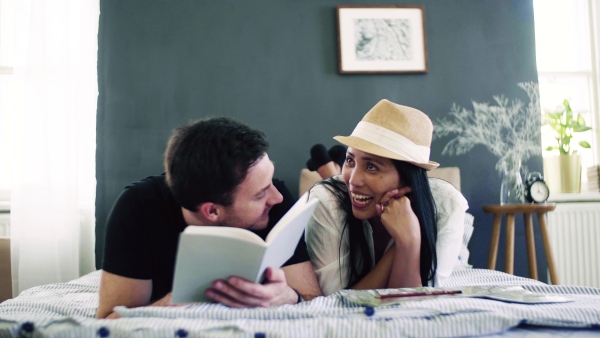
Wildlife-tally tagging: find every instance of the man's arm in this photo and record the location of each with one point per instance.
(279, 288)
(116, 290)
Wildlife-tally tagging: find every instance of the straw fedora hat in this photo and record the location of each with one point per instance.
(396, 132)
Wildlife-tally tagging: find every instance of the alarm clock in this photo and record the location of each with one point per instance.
(536, 189)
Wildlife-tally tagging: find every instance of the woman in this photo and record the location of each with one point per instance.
(382, 223)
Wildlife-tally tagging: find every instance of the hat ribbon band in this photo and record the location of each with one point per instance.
(392, 141)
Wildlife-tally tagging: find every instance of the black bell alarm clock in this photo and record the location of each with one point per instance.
(536, 189)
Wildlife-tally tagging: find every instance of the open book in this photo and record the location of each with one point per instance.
(207, 253)
(510, 294)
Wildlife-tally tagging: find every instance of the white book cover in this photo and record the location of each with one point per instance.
(208, 253)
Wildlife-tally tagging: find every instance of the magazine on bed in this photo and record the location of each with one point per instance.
(207, 253)
(511, 294)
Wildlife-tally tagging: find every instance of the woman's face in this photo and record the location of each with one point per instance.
(368, 178)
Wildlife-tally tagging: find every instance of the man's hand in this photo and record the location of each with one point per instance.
(240, 293)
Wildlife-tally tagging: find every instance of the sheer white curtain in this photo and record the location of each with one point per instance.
(54, 111)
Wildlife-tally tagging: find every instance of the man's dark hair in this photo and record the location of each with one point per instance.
(205, 161)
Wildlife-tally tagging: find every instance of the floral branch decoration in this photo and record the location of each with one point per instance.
(510, 129)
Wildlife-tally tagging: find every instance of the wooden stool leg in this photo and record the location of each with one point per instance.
(510, 244)
(494, 242)
(547, 248)
(533, 273)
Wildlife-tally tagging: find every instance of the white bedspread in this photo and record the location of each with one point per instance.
(67, 310)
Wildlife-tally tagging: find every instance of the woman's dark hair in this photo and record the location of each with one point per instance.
(423, 205)
(360, 255)
(206, 160)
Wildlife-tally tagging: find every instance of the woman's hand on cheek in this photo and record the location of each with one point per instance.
(399, 219)
(392, 194)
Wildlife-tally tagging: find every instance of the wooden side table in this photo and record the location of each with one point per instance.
(526, 209)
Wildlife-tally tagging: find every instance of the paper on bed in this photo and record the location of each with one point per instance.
(207, 253)
(511, 294)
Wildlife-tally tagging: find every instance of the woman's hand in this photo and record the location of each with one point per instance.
(402, 224)
(397, 216)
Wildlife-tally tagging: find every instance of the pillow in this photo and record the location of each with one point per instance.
(463, 255)
(307, 180)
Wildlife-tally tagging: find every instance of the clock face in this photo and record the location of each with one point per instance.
(539, 191)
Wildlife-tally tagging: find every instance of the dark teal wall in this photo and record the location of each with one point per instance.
(273, 65)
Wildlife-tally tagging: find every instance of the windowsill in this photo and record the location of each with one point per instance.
(572, 198)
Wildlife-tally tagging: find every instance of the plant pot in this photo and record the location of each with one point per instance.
(563, 173)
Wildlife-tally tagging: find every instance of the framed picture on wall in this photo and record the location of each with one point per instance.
(381, 39)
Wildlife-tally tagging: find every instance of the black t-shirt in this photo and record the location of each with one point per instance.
(143, 231)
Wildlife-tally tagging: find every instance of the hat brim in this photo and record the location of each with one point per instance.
(371, 148)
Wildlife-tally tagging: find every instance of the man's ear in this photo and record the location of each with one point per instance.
(210, 211)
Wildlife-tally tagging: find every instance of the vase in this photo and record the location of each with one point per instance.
(511, 189)
(563, 173)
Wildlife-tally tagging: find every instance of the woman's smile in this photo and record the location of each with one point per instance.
(360, 200)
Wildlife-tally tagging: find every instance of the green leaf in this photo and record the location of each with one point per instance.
(564, 123)
(567, 105)
(579, 129)
(555, 116)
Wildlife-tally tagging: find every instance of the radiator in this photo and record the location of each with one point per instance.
(574, 231)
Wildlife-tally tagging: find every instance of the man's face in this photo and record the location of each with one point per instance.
(253, 198)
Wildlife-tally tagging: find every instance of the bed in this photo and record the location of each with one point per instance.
(67, 310)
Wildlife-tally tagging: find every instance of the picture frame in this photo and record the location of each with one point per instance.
(381, 39)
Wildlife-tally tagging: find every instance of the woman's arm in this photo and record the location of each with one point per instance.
(379, 277)
(395, 269)
(406, 269)
(402, 224)
(323, 239)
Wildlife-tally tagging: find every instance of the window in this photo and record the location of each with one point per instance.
(567, 42)
(38, 49)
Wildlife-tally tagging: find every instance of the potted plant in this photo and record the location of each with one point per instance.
(563, 172)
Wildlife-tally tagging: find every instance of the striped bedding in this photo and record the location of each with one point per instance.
(67, 310)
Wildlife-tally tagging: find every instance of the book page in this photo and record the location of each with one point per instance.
(283, 238)
(204, 258)
(512, 294)
(229, 232)
(296, 209)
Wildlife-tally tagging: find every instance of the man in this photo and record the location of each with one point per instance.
(218, 173)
